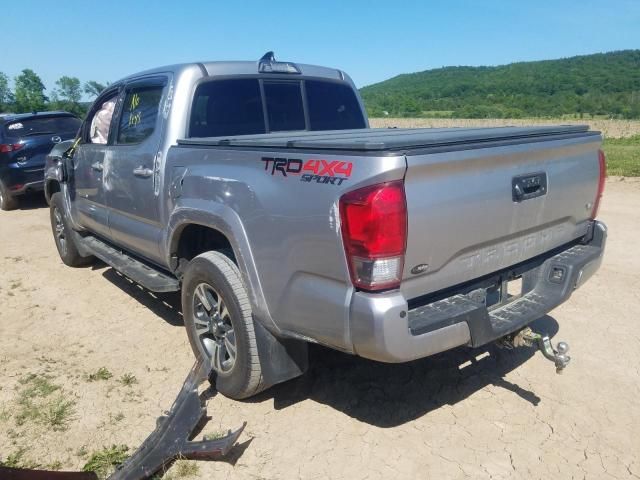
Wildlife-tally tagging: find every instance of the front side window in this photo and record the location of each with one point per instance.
(101, 122)
(139, 114)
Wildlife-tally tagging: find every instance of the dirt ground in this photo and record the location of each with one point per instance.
(483, 413)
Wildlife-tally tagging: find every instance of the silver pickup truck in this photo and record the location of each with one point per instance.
(259, 191)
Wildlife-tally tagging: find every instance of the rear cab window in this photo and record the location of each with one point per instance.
(332, 106)
(49, 125)
(227, 107)
(246, 106)
(284, 106)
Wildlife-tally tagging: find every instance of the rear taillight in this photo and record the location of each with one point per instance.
(10, 147)
(374, 231)
(602, 161)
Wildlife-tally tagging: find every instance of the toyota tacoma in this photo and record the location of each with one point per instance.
(259, 191)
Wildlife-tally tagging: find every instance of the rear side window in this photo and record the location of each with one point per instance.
(139, 114)
(332, 106)
(42, 126)
(227, 108)
(284, 106)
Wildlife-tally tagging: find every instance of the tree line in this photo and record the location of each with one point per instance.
(606, 84)
(28, 94)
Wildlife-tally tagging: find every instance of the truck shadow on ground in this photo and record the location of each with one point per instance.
(388, 395)
(164, 305)
(380, 394)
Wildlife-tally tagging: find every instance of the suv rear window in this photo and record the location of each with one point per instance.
(42, 126)
(235, 107)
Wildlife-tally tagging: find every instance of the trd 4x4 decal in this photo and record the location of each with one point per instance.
(320, 171)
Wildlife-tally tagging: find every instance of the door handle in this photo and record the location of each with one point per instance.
(97, 166)
(142, 172)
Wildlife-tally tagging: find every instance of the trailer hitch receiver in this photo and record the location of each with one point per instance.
(528, 338)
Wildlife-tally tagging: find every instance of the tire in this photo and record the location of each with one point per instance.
(218, 318)
(63, 235)
(7, 201)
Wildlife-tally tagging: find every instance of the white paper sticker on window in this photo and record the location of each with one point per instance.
(15, 126)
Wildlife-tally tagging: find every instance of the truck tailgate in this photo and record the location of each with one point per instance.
(465, 221)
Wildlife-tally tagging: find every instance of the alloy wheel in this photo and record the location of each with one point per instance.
(214, 329)
(60, 233)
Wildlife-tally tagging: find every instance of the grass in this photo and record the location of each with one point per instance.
(37, 386)
(186, 469)
(35, 403)
(101, 374)
(180, 469)
(18, 460)
(104, 461)
(214, 436)
(58, 413)
(5, 414)
(623, 156)
(128, 380)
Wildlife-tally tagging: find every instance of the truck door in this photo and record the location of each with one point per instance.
(131, 179)
(89, 160)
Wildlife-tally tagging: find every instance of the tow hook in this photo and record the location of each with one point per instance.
(528, 338)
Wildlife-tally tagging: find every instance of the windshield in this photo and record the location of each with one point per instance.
(42, 126)
(235, 107)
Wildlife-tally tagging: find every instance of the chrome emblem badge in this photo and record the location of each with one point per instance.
(418, 269)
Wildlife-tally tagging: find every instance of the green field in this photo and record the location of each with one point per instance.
(623, 156)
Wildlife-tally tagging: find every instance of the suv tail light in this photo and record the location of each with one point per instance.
(374, 232)
(10, 147)
(603, 176)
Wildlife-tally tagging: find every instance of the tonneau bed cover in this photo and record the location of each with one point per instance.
(391, 139)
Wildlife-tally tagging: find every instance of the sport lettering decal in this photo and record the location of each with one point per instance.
(332, 172)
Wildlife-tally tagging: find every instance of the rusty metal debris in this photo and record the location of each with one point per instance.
(169, 441)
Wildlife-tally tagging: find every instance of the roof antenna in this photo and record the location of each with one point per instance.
(268, 57)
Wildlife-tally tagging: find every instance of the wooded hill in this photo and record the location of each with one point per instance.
(603, 84)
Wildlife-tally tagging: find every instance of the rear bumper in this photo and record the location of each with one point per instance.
(20, 180)
(28, 187)
(384, 329)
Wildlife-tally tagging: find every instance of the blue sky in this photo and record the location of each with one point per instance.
(371, 40)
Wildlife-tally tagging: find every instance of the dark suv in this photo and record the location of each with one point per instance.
(25, 141)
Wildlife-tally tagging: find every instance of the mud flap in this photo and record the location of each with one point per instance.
(280, 359)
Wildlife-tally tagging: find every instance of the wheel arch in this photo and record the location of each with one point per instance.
(225, 231)
(51, 186)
